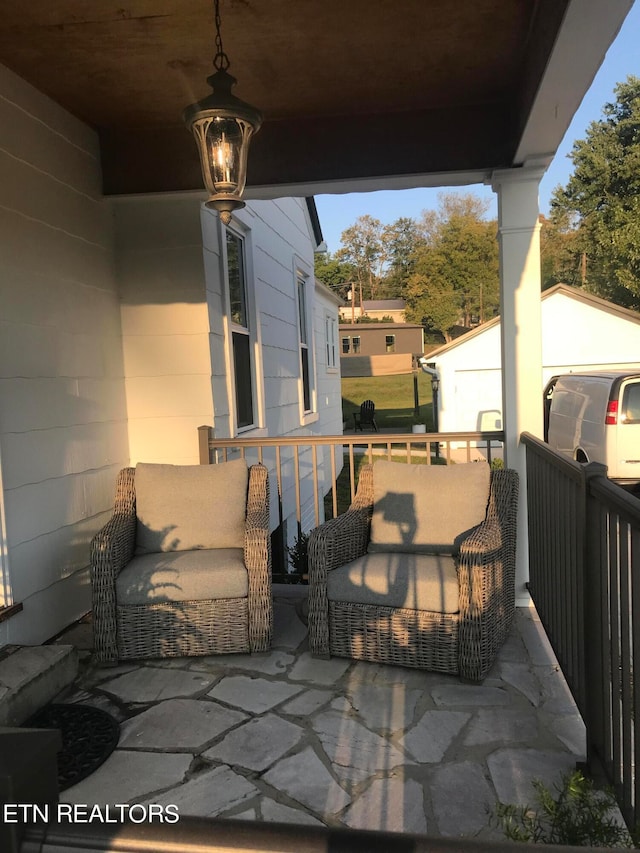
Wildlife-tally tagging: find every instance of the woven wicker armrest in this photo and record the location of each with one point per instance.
(337, 542)
(111, 550)
(486, 575)
(257, 558)
(333, 544)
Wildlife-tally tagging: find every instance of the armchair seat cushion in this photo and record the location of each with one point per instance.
(199, 575)
(400, 580)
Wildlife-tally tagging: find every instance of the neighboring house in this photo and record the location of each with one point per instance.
(378, 349)
(376, 309)
(126, 324)
(579, 332)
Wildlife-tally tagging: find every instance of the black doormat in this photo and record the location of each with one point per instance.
(89, 736)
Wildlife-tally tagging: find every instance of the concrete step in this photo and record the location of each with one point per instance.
(31, 676)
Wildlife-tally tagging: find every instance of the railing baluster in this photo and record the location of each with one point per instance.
(296, 479)
(316, 485)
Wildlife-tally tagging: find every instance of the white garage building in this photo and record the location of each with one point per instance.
(579, 332)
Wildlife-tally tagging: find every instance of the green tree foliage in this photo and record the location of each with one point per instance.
(456, 274)
(560, 259)
(602, 199)
(363, 249)
(401, 240)
(333, 272)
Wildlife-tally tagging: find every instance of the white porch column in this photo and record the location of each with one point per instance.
(519, 238)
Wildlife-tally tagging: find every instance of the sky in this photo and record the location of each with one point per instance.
(338, 212)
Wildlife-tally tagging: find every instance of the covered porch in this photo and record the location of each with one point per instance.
(287, 738)
(480, 93)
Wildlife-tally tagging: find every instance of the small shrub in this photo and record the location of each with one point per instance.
(578, 815)
(299, 554)
(497, 464)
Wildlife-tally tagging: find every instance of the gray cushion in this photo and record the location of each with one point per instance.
(182, 507)
(412, 581)
(427, 508)
(183, 576)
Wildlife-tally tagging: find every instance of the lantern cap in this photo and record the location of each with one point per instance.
(222, 103)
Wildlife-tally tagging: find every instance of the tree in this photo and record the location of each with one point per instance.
(602, 199)
(401, 240)
(561, 261)
(456, 274)
(333, 272)
(363, 249)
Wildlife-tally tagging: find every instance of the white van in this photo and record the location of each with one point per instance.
(595, 417)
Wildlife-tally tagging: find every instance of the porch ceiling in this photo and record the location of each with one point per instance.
(423, 91)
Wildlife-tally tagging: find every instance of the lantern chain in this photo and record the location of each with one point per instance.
(221, 60)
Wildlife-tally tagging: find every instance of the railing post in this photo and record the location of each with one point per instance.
(593, 579)
(204, 433)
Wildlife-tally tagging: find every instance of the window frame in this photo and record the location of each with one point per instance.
(331, 342)
(236, 332)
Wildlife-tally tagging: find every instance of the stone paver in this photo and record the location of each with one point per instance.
(317, 670)
(210, 793)
(271, 663)
(283, 736)
(253, 694)
(352, 747)
(128, 776)
(307, 702)
(386, 708)
(513, 770)
(304, 778)
(153, 684)
(181, 724)
(429, 740)
(391, 805)
(460, 798)
(501, 725)
(469, 695)
(258, 743)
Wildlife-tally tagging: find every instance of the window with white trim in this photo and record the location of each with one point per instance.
(243, 368)
(304, 342)
(390, 343)
(355, 343)
(346, 346)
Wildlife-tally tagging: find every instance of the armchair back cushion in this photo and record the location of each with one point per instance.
(427, 508)
(189, 507)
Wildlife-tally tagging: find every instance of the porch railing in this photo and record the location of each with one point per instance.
(307, 468)
(584, 566)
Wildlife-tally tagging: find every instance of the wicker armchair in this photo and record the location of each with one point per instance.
(462, 638)
(150, 605)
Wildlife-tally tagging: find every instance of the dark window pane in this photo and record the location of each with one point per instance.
(237, 290)
(242, 369)
(305, 379)
(631, 404)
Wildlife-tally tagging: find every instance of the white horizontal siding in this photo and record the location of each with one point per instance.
(62, 406)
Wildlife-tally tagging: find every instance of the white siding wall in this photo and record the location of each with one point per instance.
(62, 407)
(278, 245)
(575, 336)
(165, 326)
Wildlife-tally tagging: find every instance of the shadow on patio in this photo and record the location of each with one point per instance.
(289, 738)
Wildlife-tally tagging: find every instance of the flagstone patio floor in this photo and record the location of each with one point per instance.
(286, 737)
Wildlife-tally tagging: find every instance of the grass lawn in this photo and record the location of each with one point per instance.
(393, 396)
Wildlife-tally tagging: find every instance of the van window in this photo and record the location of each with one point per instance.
(631, 404)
